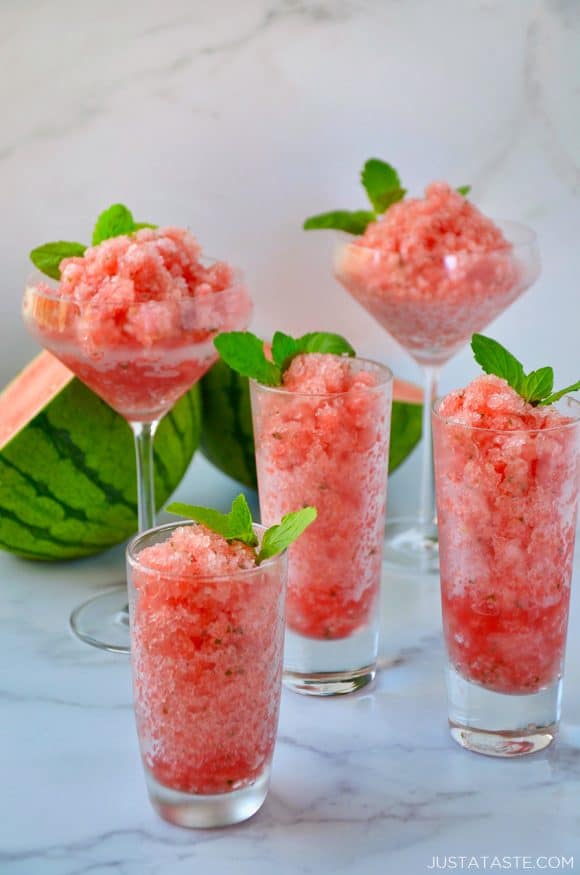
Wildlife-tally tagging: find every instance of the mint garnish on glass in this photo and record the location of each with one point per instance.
(536, 387)
(237, 525)
(112, 222)
(244, 352)
(383, 187)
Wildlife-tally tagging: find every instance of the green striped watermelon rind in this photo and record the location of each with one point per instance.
(406, 429)
(227, 437)
(68, 481)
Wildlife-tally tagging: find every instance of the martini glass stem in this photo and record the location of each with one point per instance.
(431, 375)
(144, 433)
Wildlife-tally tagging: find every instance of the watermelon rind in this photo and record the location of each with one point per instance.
(406, 425)
(68, 478)
(227, 437)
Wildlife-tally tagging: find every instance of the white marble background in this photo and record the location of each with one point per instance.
(241, 117)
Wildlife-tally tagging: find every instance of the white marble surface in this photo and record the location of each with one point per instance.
(241, 117)
(367, 784)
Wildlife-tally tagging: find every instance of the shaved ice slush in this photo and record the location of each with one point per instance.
(135, 317)
(432, 271)
(322, 439)
(507, 481)
(207, 627)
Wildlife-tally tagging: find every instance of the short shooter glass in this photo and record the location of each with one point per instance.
(206, 654)
(329, 451)
(506, 504)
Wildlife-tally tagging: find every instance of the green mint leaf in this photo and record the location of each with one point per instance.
(138, 225)
(114, 221)
(47, 258)
(326, 342)
(284, 347)
(241, 518)
(551, 399)
(494, 358)
(244, 353)
(382, 184)
(463, 189)
(341, 220)
(278, 538)
(392, 197)
(233, 526)
(537, 385)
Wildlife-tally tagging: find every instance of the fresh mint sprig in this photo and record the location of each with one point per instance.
(383, 187)
(244, 352)
(354, 222)
(278, 538)
(115, 221)
(47, 258)
(233, 526)
(536, 387)
(382, 184)
(112, 222)
(237, 525)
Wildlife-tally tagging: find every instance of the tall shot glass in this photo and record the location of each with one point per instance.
(507, 504)
(329, 451)
(206, 655)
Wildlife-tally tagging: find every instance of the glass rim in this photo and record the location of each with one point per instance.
(134, 561)
(51, 292)
(384, 369)
(568, 399)
(527, 240)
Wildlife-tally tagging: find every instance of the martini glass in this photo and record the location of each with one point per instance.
(431, 306)
(140, 381)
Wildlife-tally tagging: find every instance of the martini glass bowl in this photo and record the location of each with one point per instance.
(431, 305)
(140, 376)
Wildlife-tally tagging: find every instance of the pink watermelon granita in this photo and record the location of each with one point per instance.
(507, 478)
(207, 641)
(432, 271)
(322, 439)
(135, 317)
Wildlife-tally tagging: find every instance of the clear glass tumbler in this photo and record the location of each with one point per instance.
(329, 451)
(507, 504)
(206, 654)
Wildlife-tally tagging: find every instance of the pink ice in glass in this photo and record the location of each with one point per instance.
(207, 629)
(135, 317)
(432, 271)
(507, 478)
(322, 439)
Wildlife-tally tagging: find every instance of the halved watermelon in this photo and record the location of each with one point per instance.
(227, 437)
(67, 464)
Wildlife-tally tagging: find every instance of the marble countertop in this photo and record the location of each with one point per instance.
(365, 784)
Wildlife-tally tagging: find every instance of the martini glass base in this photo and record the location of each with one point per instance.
(103, 621)
(411, 546)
